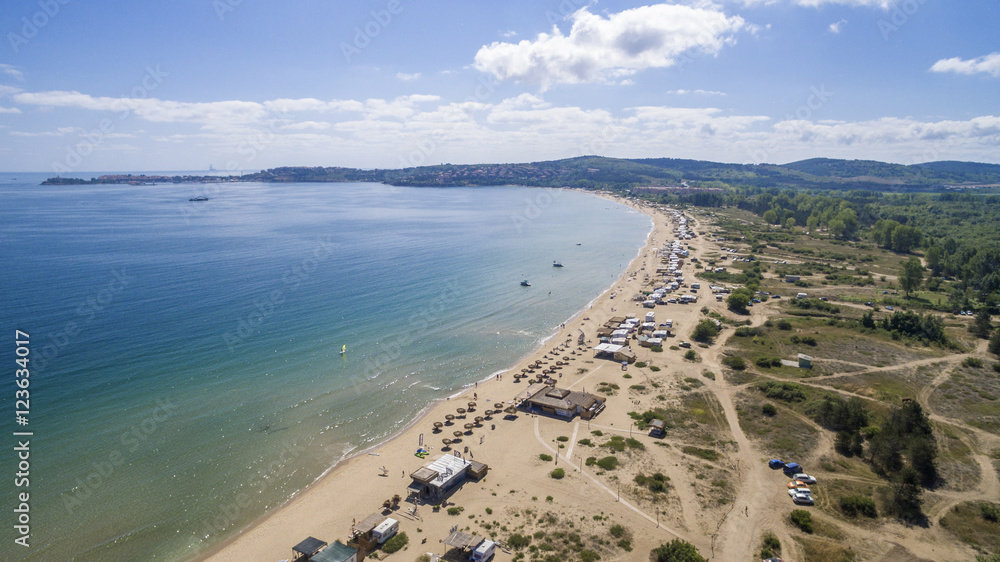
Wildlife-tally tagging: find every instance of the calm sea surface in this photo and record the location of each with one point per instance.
(186, 374)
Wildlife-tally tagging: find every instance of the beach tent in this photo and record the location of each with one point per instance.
(336, 552)
(307, 548)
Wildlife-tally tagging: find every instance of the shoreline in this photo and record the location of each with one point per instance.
(228, 549)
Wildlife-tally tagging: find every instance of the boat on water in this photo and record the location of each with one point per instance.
(525, 283)
(199, 198)
(343, 350)
(557, 264)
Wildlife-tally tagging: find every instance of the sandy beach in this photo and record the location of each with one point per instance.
(517, 478)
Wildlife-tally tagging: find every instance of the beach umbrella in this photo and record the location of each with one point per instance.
(449, 417)
(471, 405)
(524, 370)
(446, 442)
(437, 426)
(456, 433)
(461, 411)
(498, 405)
(565, 358)
(469, 427)
(479, 419)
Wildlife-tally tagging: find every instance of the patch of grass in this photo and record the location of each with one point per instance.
(852, 506)
(562, 439)
(706, 454)
(971, 523)
(558, 474)
(801, 519)
(608, 463)
(395, 543)
(585, 442)
(597, 433)
(640, 364)
(654, 368)
(455, 510)
(545, 457)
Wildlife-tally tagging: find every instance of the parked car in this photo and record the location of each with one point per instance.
(775, 464)
(803, 477)
(685, 344)
(803, 499)
(797, 491)
(776, 296)
(889, 308)
(797, 484)
(792, 468)
(823, 299)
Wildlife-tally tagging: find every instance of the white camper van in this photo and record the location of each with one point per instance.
(385, 530)
(484, 552)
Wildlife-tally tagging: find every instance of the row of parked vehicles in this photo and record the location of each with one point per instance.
(798, 487)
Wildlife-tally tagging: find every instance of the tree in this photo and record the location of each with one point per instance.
(905, 238)
(770, 216)
(934, 257)
(982, 327)
(790, 223)
(738, 302)
(705, 331)
(906, 496)
(676, 551)
(994, 346)
(912, 275)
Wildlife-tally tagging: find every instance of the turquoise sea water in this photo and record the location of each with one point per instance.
(186, 374)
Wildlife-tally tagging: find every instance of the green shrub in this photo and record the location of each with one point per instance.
(801, 519)
(558, 474)
(973, 362)
(589, 556)
(706, 454)
(455, 510)
(608, 463)
(784, 324)
(769, 410)
(771, 546)
(640, 364)
(585, 442)
(747, 332)
(734, 362)
(990, 512)
(591, 461)
(654, 368)
(676, 550)
(656, 349)
(784, 391)
(690, 355)
(617, 531)
(546, 458)
(517, 541)
(489, 511)
(853, 506)
(562, 439)
(395, 543)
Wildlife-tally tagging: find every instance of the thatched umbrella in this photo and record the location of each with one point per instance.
(565, 358)
(468, 427)
(472, 406)
(437, 426)
(448, 418)
(447, 442)
(498, 405)
(479, 419)
(461, 411)
(456, 433)
(523, 371)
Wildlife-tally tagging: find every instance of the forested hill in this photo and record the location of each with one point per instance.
(595, 172)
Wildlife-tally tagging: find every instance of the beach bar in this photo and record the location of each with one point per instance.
(548, 399)
(436, 479)
(306, 549)
(336, 552)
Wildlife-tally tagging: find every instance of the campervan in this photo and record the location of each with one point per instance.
(385, 530)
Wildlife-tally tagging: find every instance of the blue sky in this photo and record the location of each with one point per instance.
(248, 84)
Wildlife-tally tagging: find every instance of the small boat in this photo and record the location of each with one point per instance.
(525, 283)
(343, 350)
(556, 264)
(199, 198)
(579, 244)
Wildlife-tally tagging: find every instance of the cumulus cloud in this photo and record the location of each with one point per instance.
(987, 64)
(883, 4)
(683, 92)
(11, 70)
(836, 26)
(407, 77)
(9, 110)
(599, 49)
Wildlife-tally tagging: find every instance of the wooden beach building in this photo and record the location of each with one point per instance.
(306, 549)
(548, 399)
(336, 552)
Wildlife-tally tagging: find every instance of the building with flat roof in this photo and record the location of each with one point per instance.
(436, 479)
(548, 399)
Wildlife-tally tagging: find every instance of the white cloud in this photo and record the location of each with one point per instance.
(836, 26)
(13, 110)
(6, 90)
(307, 126)
(11, 70)
(59, 132)
(987, 64)
(883, 4)
(509, 34)
(407, 77)
(683, 92)
(609, 49)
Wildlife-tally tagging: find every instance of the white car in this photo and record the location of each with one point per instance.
(804, 478)
(803, 499)
(792, 492)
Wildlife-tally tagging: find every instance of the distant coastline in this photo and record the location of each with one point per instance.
(619, 174)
